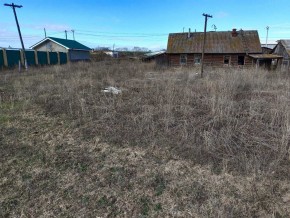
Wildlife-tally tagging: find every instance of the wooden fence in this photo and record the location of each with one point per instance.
(12, 57)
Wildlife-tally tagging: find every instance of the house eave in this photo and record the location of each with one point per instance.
(48, 39)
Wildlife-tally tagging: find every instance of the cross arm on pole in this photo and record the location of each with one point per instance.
(13, 5)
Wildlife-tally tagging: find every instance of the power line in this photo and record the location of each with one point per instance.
(123, 33)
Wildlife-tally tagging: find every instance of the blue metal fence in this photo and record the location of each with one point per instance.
(12, 57)
(62, 58)
(1, 59)
(53, 57)
(42, 57)
(30, 56)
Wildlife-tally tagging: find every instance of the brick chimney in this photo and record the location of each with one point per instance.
(234, 33)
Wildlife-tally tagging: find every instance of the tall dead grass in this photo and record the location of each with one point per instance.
(232, 121)
(236, 120)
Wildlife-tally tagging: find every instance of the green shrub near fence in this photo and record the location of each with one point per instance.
(53, 57)
(30, 57)
(42, 57)
(13, 57)
(62, 58)
(1, 59)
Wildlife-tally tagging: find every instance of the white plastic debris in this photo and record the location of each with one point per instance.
(112, 90)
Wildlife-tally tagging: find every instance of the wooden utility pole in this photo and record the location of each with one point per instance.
(65, 34)
(267, 28)
(204, 38)
(13, 6)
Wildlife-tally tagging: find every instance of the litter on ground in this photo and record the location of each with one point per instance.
(112, 90)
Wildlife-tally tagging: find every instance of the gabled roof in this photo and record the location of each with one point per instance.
(216, 42)
(67, 43)
(270, 46)
(286, 44)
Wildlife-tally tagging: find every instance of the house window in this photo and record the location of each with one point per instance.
(183, 59)
(197, 59)
(241, 60)
(227, 59)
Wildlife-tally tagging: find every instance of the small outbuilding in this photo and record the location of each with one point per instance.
(283, 49)
(75, 50)
(159, 57)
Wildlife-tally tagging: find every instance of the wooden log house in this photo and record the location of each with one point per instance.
(222, 48)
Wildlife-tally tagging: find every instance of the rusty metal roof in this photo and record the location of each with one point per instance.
(216, 42)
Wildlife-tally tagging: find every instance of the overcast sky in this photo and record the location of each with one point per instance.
(143, 23)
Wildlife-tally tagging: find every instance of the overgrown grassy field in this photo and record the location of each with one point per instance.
(170, 145)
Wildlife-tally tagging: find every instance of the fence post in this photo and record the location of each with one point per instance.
(36, 57)
(5, 60)
(21, 57)
(58, 58)
(48, 58)
(67, 57)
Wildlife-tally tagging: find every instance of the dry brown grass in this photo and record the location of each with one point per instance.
(171, 144)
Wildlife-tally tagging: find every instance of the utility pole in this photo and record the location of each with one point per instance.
(65, 34)
(13, 6)
(204, 38)
(73, 34)
(267, 36)
(44, 32)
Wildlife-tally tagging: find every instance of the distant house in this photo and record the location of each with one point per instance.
(267, 48)
(223, 48)
(75, 50)
(283, 49)
(113, 54)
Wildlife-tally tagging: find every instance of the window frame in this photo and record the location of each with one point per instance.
(197, 57)
(227, 58)
(183, 59)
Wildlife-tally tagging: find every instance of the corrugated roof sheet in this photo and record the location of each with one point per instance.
(216, 42)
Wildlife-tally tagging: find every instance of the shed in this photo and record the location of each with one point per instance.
(283, 49)
(76, 51)
(268, 61)
(159, 57)
(222, 48)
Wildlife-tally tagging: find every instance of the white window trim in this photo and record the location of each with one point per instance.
(197, 57)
